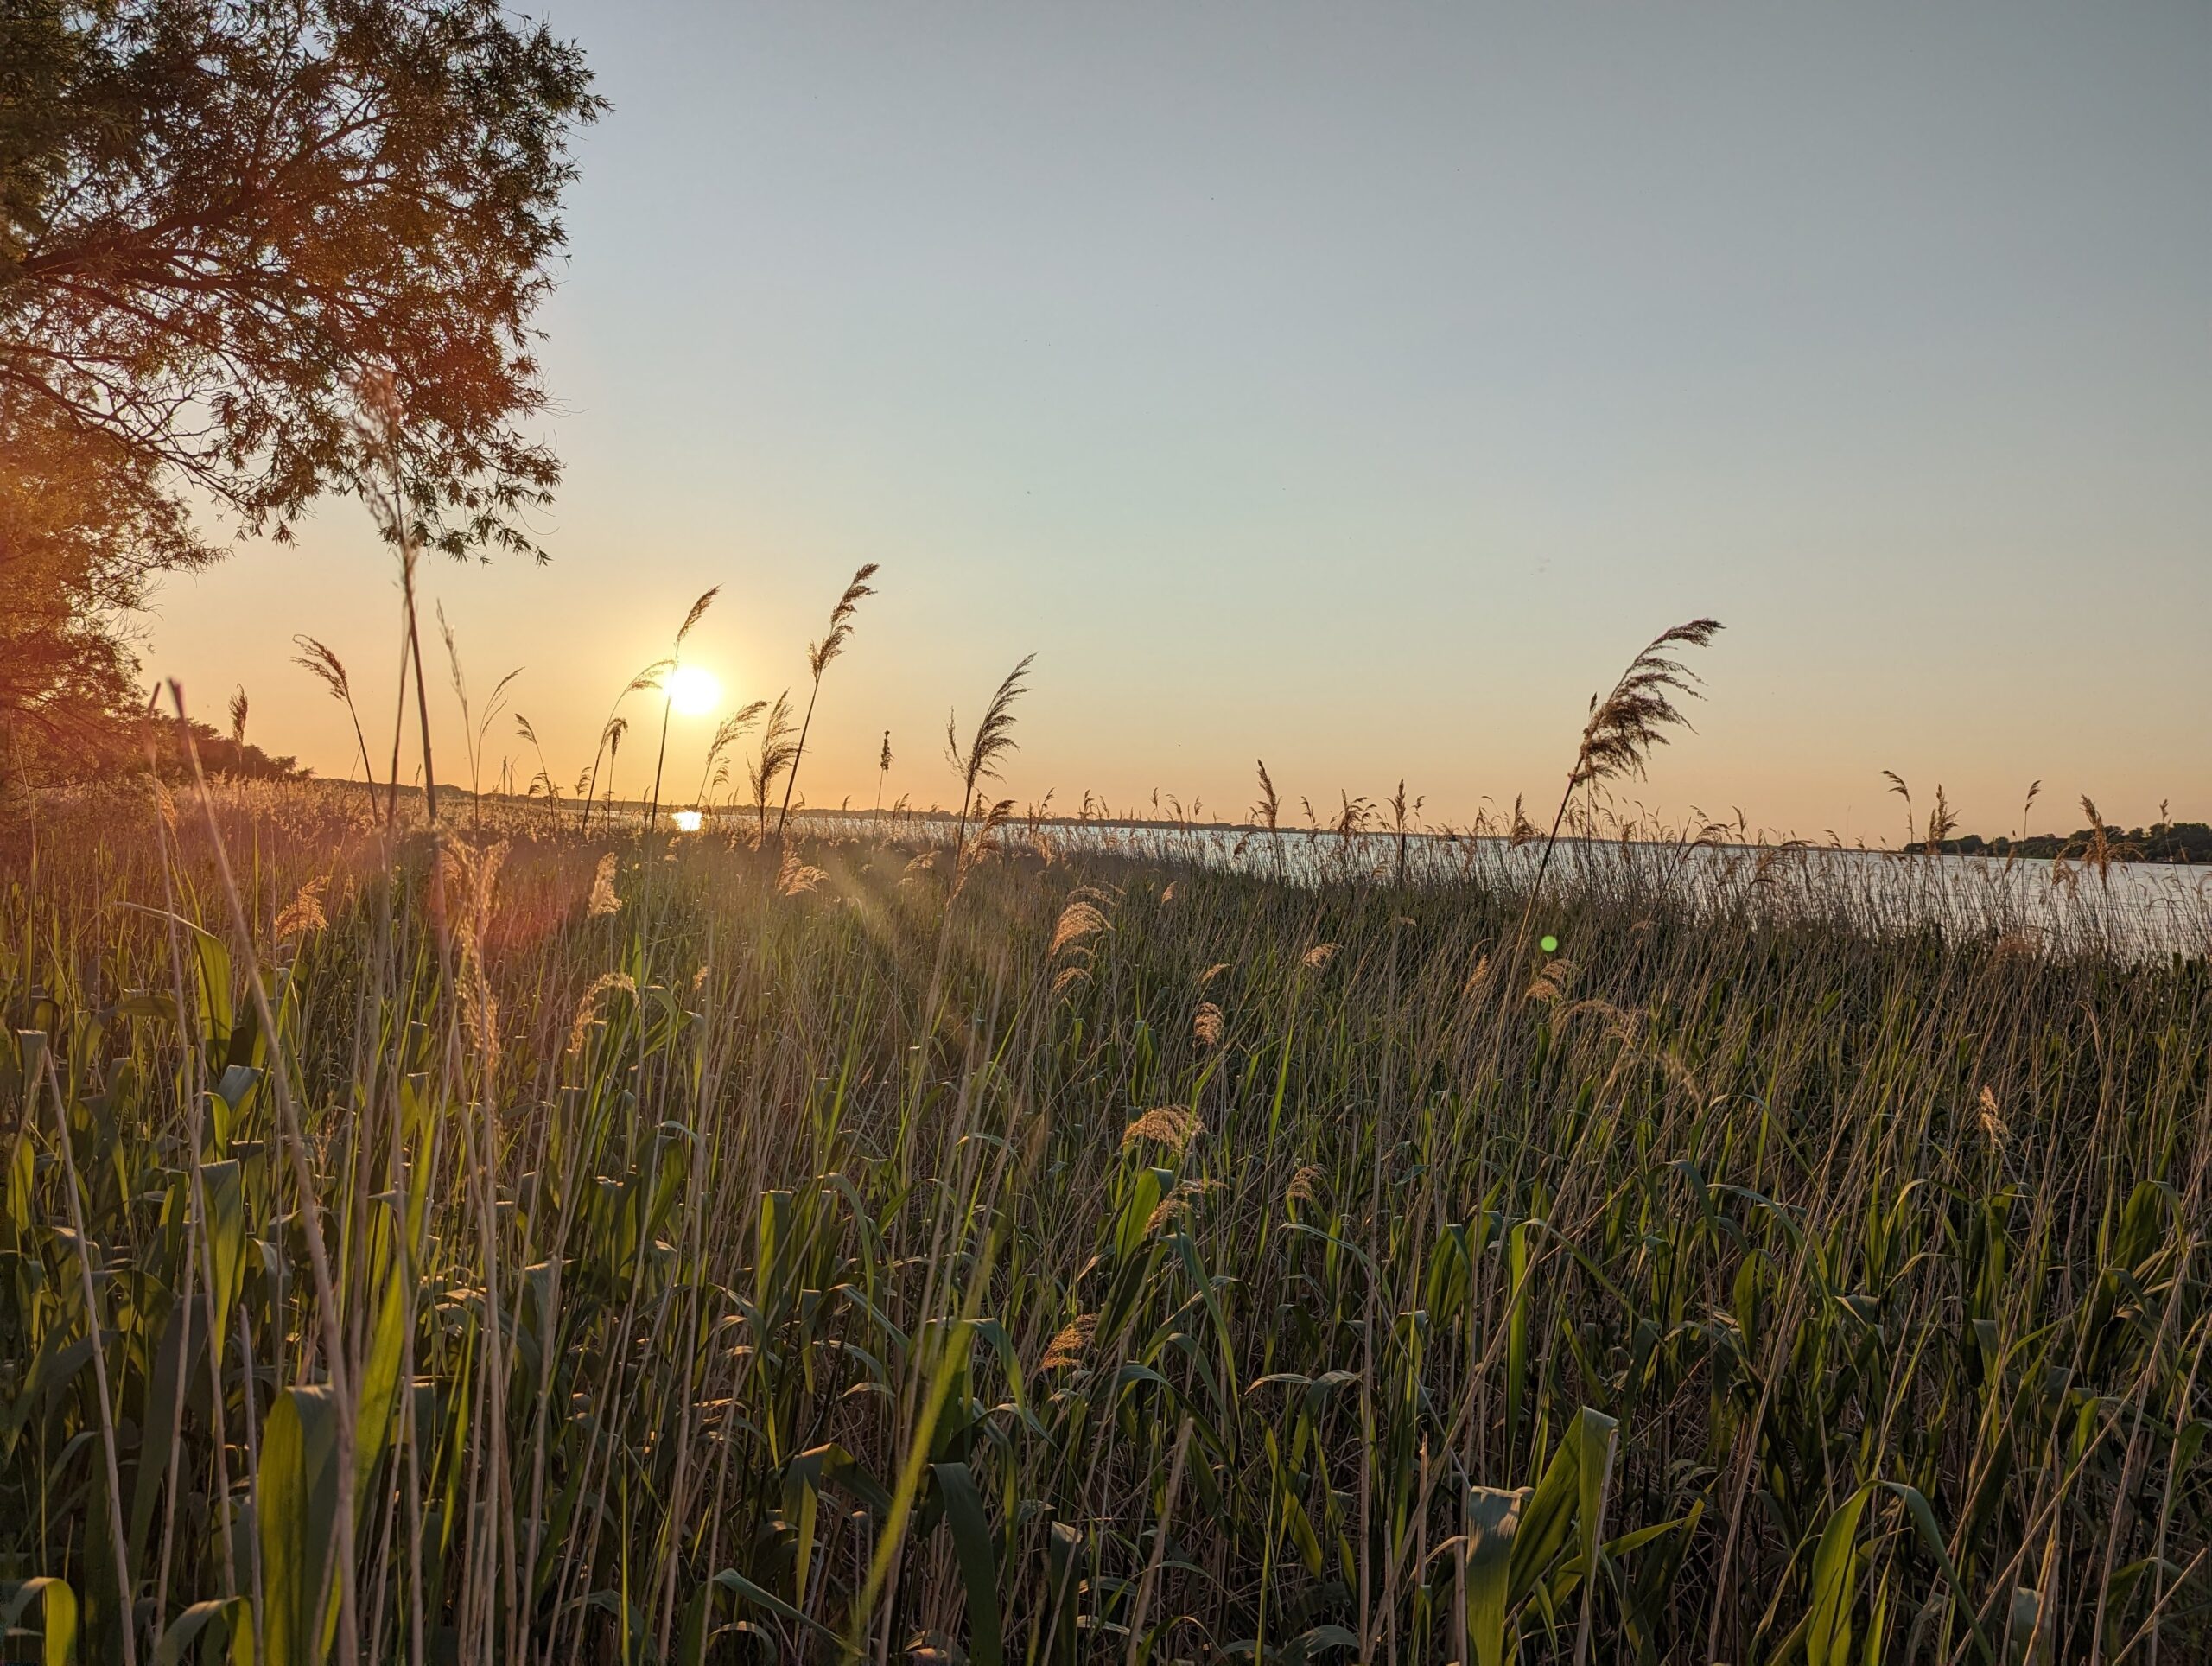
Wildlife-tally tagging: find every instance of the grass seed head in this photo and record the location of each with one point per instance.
(1169, 1125)
(1078, 920)
(588, 1008)
(603, 899)
(1069, 1345)
(303, 913)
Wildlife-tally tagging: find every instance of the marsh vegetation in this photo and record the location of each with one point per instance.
(512, 1244)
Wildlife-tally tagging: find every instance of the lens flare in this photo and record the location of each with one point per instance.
(693, 691)
(687, 821)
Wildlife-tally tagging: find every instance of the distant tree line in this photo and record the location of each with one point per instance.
(2177, 841)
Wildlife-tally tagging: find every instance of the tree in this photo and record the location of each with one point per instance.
(218, 217)
(81, 528)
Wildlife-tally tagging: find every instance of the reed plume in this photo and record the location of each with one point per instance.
(2101, 849)
(818, 656)
(1078, 921)
(613, 729)
(304, 913)
(1068, 1346)
(2026, 805)
(603, 901)
(588, 1008)
(544, 776)
(774, 756)
(727, 733)
(472, 732)
(1625, 725)
(1402, 815)
(1635, 716)
(992, 741)
(698, 611)
(611, 740)
(1898, 786)
(989, 820)
(794, 877)
(1941, 823)
(1171, 1126)
(319, 661)
(1268, 813)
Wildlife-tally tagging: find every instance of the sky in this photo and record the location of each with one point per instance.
(1358, 388)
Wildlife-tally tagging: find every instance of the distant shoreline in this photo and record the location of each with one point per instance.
(2163, 844)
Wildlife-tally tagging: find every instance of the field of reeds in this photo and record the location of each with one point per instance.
(516, 1244)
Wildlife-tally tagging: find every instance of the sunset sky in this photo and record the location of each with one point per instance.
(1357, 387)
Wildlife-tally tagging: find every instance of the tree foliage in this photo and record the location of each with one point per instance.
(82, 525)
(217, 218)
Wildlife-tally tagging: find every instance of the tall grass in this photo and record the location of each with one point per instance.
(536, 1247)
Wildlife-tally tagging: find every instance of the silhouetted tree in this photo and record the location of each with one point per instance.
(216, 219)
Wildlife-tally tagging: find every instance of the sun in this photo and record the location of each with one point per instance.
(693, 691)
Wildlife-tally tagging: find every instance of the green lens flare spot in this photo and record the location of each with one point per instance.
(1548, 944)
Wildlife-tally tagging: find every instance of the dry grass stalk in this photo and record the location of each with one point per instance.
(1318, 956)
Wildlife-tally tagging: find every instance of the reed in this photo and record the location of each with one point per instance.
(697, 612)
(818, 657)
(1219, 1276)
(570, 1242)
